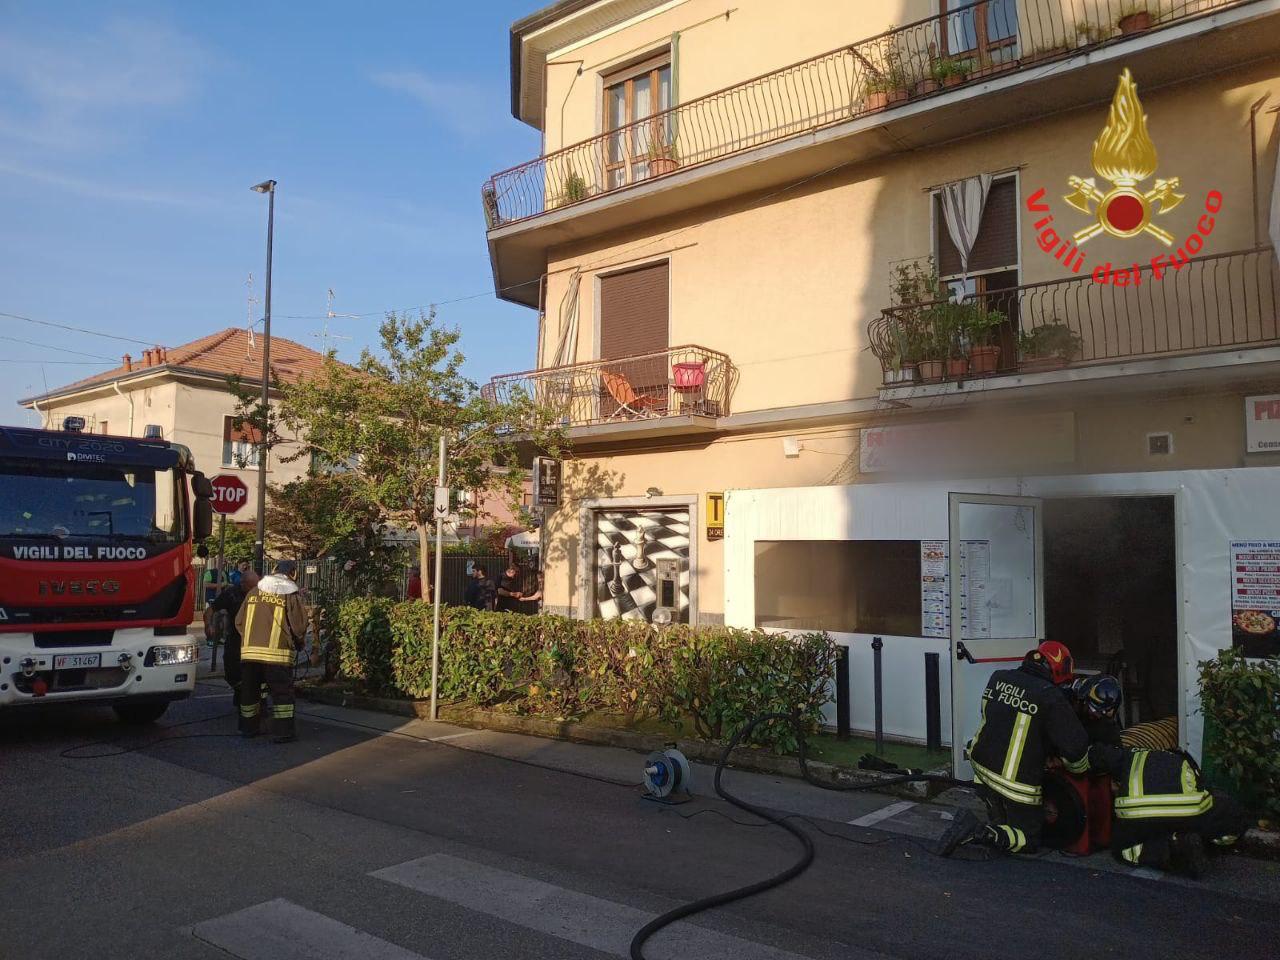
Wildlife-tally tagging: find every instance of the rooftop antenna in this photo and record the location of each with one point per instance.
(324, 335)
(249, 322)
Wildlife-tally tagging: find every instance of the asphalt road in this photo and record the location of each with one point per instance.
(188, 842)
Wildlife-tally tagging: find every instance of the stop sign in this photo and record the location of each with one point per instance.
(229, 493)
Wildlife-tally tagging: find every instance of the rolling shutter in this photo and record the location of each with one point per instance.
(997, 243)
(634, 313)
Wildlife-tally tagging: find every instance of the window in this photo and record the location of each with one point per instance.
(102, 427)
(630, 96)
(845, 586)
(101, 501)
(239, 444)
(987, 29)
(993, 261)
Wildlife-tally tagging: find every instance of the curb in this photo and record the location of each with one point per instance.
(704, 751)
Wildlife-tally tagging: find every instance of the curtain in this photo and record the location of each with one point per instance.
(1273, 224)
(567, 346)
(962, 203)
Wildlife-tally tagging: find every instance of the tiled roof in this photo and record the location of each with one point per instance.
(225, 353)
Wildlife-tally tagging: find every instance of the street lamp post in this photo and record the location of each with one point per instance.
(259, 547)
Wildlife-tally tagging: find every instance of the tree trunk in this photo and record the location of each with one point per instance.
(425, 570)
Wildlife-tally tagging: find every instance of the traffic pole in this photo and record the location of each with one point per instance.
(222, 549)
(435, 616)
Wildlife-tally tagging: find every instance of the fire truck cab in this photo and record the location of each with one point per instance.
(96, 581)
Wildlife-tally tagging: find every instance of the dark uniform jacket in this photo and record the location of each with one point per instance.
(1152, 784)
(272, 621)
(1025, 719)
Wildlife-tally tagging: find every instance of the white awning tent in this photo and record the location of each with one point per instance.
(524, 540)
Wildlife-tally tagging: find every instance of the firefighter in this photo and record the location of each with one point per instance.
(1164, 815)
(220, 621)
(1097, 701)
(1026, 720)
(273, 624)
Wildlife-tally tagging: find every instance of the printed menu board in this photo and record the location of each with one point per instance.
(1255, 597)
(935, 597)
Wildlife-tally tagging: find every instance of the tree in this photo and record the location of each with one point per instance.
(382, 421)
(239, 545)
(309, 517)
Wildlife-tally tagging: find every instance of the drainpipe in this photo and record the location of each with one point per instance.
(116, 384)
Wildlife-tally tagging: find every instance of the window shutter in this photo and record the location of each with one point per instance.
(997, 243)
(634, 314)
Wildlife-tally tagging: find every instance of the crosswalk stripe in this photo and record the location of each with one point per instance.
(281, 930)
(884, 813)
(577, 917)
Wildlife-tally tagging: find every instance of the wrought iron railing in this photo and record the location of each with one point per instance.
(878, 73)
(678, 381)
(1208, 303)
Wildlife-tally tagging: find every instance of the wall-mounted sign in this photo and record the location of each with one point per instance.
(715, 516)
(1262, 424)
(547, 485)
(1255, 597)
(935, 595)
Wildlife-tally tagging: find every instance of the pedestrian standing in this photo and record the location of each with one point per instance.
(414, 589)
(273, 623)
(509, 584)
(481, 591)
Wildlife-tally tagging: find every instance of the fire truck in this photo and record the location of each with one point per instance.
(96, 583)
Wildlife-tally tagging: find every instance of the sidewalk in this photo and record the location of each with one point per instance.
(856, 814)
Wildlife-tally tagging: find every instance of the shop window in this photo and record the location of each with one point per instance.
(844, 586)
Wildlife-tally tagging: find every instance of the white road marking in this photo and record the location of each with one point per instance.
(577, 917)
(454, 736)
(884, 813)
(281, 930)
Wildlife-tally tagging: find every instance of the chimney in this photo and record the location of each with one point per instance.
(128, 362)
(146, 357)
(162, 355)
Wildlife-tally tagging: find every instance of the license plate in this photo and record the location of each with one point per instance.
(77, 661)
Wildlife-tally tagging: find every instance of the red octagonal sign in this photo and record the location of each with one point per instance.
(229, 493)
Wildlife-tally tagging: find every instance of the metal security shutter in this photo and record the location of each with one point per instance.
(997, 243)
(634, 314)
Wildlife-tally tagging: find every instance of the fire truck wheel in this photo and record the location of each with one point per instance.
(138, 714)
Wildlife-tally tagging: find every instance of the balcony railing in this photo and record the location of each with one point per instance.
(1216, 302)
(906, 63)
(678, 381)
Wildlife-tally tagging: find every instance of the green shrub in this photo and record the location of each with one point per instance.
(1242, 699)
(365, 642)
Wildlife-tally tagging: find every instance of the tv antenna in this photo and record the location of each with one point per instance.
(324, 335)
(249, 322)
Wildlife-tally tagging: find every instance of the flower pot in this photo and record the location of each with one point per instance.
(930, 369)
(877, 100)
(1041, 364)
(660, 165)
(1135, 22)
(904, 374)
(984, 359)
(957, 367)
(899, 94)
(926, 86)
(955, 79)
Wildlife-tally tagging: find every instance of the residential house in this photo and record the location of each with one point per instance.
(731, 240)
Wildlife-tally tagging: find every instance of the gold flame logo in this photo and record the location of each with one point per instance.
(1124, 155)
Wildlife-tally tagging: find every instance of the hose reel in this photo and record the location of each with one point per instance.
(667, 776)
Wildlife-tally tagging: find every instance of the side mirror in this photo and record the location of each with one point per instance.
(203, 518)
(201, 486)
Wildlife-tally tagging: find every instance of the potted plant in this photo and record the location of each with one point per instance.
(950, 321)
(933, 348)
(574, 188)
(952, 71)
(906, 353)
(489, 197)
(1049, 346)
(663, 158)
(1134, 18)
(887, 88)
(1091, 34)
(980, 326)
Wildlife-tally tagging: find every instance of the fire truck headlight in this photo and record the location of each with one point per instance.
(171, 655)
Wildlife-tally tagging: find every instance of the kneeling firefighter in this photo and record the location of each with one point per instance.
(273, 623)
(1163, 813)
(1026, 718)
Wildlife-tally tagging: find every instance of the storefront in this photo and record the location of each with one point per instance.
(1141, 574)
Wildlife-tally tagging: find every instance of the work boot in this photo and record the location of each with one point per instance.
(963, 829)
(1187, 855)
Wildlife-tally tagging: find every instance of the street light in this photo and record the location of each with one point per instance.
(259, 547)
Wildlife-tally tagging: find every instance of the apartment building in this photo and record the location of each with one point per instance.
(183, 394)
(950, 324)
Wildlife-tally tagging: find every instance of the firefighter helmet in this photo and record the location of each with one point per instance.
(1102, 695)
(1058, 658)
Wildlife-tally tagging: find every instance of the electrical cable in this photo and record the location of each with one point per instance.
(807, 850)
(73, 753)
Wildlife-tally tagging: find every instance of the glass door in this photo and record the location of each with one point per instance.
(641, 93)
(997, 600)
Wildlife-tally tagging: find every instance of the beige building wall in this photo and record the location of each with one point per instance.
(147, 402)
(786, 284)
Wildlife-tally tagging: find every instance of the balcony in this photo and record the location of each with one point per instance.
(1220, 305)
(677, 390)
(926, 59)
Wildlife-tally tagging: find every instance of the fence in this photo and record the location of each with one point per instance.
(906, 63)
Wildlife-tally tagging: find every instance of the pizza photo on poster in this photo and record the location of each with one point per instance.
(1255, 597)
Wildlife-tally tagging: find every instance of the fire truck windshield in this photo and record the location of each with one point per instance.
(45, 499)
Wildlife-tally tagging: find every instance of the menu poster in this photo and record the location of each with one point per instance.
(1255, 597)
(935, 594)
(975, 577)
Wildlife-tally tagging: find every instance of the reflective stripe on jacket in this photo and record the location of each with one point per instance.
(1153, 783)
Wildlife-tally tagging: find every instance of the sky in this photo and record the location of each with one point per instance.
(131, 132)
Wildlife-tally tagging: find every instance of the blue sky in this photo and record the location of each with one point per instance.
(131, 132)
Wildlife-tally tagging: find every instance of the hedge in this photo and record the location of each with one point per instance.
(1240, 699)
(712, 679)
